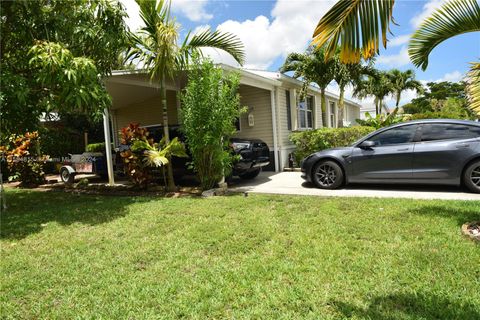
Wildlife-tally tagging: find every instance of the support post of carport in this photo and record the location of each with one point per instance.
(108, 146)
(274, 127)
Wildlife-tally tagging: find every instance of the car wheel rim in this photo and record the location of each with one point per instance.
(326, 175)
(475, 176)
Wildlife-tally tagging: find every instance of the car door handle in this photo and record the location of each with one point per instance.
(403, 149)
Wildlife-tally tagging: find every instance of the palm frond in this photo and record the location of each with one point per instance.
(225, 41)
(473, 87)
(453, 18)
(356, 26)
(155, 158)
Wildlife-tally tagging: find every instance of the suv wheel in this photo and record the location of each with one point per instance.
(327, 175)
(471, 177)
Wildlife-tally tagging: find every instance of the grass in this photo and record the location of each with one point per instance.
(66, 256)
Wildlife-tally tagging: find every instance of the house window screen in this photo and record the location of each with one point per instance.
(305, 114)
(332, 114)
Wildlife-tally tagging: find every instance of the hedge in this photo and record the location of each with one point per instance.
(97, 147)
(311, 141)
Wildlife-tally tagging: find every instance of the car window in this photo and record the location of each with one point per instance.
(397, 135)
(446, 131)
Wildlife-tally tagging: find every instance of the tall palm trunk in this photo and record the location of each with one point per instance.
(341, 107)
(398, 99)
(163, 97)
(323, 106)
(375, 101)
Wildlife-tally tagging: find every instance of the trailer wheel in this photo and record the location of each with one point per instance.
(66, 176)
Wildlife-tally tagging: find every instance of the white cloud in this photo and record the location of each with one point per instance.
(395, 60)
(265, 39)
(399, 40)
(454, 76)
(192, 9)
(428, 8)
(133, 21)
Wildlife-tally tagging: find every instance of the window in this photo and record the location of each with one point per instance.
(332, 115)
(433, 132)
(237, 123)
(305, 114)
(398, 135)
(289, 111)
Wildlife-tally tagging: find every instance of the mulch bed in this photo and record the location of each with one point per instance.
(116, 190)
(472, 230)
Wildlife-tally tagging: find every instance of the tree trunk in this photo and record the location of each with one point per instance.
(398, 99)
(163, 97)
(376, 106)
(323, 107)
(341, 107)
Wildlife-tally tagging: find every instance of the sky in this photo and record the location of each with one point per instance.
(270, 30)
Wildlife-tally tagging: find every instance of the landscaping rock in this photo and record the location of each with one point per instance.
(472, 230)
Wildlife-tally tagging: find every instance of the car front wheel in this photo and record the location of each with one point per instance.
(327, 175)
(471, 177)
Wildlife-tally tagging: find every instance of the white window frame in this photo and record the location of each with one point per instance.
(307, 111)
(332, 113)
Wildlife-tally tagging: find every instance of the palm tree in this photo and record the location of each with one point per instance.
(312, 67)
(453, 18)
(402, 81)
(156, 46)
(347, 74)
(473, 87)
(356, 26)
(376, 84)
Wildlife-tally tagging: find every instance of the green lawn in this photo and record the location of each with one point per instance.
(65, 256)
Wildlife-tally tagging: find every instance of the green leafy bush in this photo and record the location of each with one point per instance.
(210, 106)
(97, 147)
(24, 160)
(144, 154)
(381, 120)
(310, 141)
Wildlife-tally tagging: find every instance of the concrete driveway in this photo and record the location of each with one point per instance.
(292, 183)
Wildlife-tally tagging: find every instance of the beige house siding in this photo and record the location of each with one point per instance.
(258, 102)
(282, 115)
(353, 113)
(147, 112)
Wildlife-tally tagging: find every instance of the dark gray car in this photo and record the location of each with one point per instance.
(439, 151)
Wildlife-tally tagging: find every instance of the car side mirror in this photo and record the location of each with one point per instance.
(367, 144)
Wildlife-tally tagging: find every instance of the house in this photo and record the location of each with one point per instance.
(272, 100)
(370, 109)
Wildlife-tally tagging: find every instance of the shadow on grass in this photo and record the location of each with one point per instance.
(460, 215)
(28, 210)
(410, 306)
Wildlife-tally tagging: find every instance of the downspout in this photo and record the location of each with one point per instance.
(108, 146)
(274, 125)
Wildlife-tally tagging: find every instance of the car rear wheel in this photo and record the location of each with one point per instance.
(250, 174)
(471, 177)
(327, 175)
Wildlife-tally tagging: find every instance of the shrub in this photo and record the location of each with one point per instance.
(210, 106)
(308, 142)
(97, 147)
(134, 166)
(24, 160)
(381, 120)
(143, 153)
